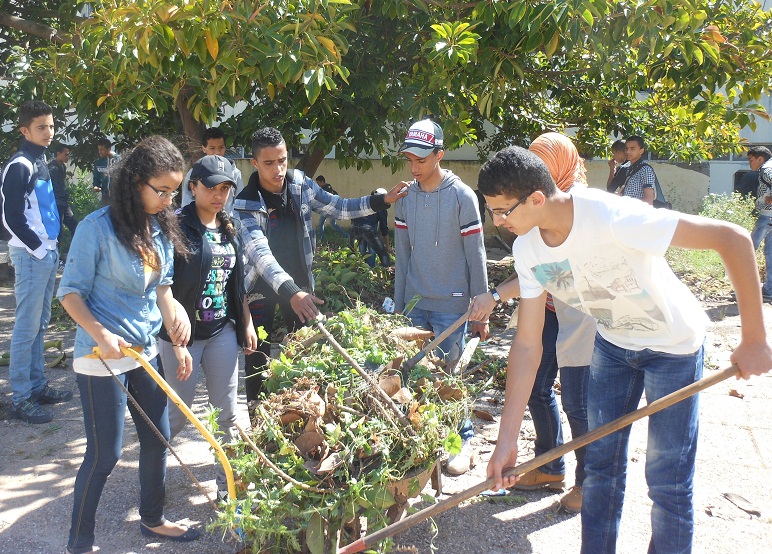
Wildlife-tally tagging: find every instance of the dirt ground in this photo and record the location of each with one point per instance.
(38, 465)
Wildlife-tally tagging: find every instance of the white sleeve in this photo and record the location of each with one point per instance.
(530, 287)
(642, 227)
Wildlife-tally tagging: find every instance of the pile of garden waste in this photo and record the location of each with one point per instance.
(328, 457)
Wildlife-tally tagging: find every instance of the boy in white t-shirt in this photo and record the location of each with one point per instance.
(604, 255)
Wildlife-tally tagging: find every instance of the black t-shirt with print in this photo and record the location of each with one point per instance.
(212, 309)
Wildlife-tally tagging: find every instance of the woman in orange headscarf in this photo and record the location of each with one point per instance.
(562, 159)
(568, 340)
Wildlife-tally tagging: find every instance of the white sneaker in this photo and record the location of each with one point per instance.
(458, 464)
(222, 495)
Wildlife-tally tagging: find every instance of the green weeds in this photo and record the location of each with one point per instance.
(702, 270)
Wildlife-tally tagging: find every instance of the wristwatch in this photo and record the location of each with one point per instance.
(496, 296)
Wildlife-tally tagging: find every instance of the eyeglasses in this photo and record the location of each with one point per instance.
(504, 215)
(163, 195)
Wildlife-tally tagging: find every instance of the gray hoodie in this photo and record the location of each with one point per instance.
(439, 246)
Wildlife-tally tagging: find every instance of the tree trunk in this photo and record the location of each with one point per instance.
(194, 130)
(310, 161)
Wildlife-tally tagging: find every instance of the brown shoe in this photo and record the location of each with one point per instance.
(536, 479)
(572, 501)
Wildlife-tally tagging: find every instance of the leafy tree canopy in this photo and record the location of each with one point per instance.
(686, 74)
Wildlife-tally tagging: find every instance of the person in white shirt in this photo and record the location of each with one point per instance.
(604, 255)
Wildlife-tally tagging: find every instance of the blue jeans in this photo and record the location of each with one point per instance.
(451, 346)
(574, 385)
(34, 289)
(104, 410)
(438, 322)
(618, 377)
(760, 232)
(543, 404)
(333, 224)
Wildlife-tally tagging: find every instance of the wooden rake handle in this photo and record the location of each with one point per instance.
(410, 364)
(538, 461)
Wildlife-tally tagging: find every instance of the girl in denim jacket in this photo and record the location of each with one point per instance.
(116, 286)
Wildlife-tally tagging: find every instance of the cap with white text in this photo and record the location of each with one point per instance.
(423, 138)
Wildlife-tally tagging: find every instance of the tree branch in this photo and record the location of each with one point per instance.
(50, 14)
(31, 28)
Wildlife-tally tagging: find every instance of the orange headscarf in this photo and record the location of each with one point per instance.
(562, 159)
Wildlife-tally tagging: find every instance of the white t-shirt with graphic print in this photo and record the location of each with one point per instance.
(612, 267)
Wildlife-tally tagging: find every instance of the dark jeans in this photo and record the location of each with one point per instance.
(543, 405)
(104, 410)
(263, 313)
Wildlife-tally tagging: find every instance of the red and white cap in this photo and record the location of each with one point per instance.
(423, 138)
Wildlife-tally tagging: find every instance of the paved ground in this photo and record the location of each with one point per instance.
(38, 466)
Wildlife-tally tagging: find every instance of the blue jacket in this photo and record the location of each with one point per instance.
(307, 196)
(111, 281)
(29, 208)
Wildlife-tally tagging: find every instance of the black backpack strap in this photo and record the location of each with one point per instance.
(632, 170)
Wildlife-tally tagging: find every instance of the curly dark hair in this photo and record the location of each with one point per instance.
(265, 138)
(515, 172)
(151, 158)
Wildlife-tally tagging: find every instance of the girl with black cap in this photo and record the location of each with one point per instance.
(209, 284)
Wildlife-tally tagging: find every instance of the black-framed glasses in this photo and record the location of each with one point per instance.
(505, 214)
(163, 195)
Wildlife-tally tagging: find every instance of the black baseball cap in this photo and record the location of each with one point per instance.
(212, 170)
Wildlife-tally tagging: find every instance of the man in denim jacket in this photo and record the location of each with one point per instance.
(278, 235)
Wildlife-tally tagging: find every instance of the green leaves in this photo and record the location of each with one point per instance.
(354, 73)
(454, 43)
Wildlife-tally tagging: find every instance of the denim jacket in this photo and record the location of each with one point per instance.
(111, 281)
(250, 208)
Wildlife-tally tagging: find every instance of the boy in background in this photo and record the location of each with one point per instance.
(31, 221)
(107, 158)
(57, 169)
(213, 144)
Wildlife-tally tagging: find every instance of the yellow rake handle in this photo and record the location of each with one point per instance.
(188, 414)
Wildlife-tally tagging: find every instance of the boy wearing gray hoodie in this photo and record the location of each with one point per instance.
(440, 252)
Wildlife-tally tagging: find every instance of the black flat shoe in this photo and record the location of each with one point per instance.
(189, 535)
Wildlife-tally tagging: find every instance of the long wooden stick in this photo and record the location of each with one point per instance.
(538, 461)
(410, 364)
